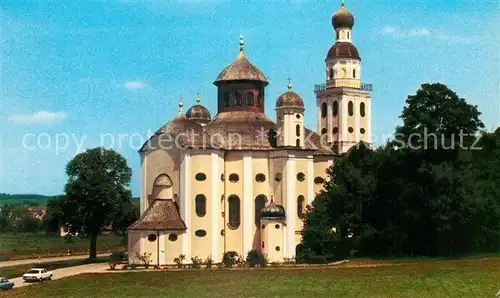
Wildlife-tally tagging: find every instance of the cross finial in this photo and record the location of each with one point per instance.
(289, 83)
(181, 104)
(198, 97)
(343, 3)
(242, 43)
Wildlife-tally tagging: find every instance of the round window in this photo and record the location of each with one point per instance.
(277, 226)
(172, 237)
(200, 233)
(152, 237)
(260, 177)
(278, 177)
(221, 177)
(301, 176)
(351, 129)
(201, 177)
(263, 226)
(335, 130)
(362, 131)
(234, 178)
(222, 233)
(319, 180)
(298, 116)
(277, 248)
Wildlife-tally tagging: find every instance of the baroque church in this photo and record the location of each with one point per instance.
(239, 181)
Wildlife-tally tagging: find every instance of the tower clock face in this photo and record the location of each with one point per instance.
(342, 34)
(343, 73)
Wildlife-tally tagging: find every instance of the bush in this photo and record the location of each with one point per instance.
(179, 260)
(317, 260)
(144, 258)
(209, 262)
(230, 258)
(196, 262)
(256, 258)
(116, 258)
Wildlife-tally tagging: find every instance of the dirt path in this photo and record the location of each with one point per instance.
(65, 272)
(46, 260)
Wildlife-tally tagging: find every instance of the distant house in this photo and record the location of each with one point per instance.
(37, 212)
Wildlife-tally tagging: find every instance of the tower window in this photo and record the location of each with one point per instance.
(362, 131)
(323, 110)
(300, 206)
(323, 131)
(331, 73)
(301, 177)
(297, 143)
(259, 99)
(201, 205)
(260, 177)
(225, 100)
(348, 35)
(354, 73)
(350, 108)
(234, 211)
(335, 108)
(337, 35)
(297, 130)
(335, 130)
(351, 130)
(234, 178)
(237, 99)
(249, 100)
(362, 111)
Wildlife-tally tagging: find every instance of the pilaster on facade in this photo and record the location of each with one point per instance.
(247, 202)
(290, 206)
(185, 205)
(215, 207)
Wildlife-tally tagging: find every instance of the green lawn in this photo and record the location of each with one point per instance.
(19, 246)
(463, 278)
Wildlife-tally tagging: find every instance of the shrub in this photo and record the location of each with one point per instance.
(144, 258)
(115, 258)
(209, 262)
(196, 262)
(256, 258)
(179, 260)
(230, 258)
(317, 260)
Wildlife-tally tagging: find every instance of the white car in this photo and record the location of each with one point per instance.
(37, 274)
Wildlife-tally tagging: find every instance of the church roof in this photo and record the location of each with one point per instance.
(343, 50)
(290, 99)
(342, 18)
(161, 215)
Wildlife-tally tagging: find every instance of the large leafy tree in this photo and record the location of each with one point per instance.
(97, 193)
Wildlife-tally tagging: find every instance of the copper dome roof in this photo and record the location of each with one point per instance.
(198, 113)
(273, 211)
(290, 99)
(343, 50)
(342, 18)
(241, 70)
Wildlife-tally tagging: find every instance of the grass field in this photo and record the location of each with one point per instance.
(19, 246)
(463, 278)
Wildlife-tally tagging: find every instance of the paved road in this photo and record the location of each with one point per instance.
(47, 260)
(65, 272)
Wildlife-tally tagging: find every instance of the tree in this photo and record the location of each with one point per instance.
(96, 192)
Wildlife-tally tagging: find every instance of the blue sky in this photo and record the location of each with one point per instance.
(73, 71)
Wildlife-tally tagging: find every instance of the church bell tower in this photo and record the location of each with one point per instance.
(343, 101)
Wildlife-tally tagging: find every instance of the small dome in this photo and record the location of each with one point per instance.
(198, 113)
(273, 211)
(343, 50)
(180, 124)
(342, 18)
(290, 99)
(241, 70)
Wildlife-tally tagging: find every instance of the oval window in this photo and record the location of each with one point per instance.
(298, 116)
(301, 176)
(172, 237)
(152, 237)
(297, 130)
(222, 233)
(260, 177)
(200, 233)
(234, 211)
(335, 108)
(319, 180)
(277, 226)
(200, 205)
(362, 131)
(350, 108)
(201, 177)
(278, 177)
(335, 130)
(362, 111)
(277, 248)
(351, 129)
(323, 131)
(221, 177)
(300, 206)
(234, 178)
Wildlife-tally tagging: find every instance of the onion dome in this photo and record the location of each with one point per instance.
(272, 211)
(181, 124)
(241, 70)
(343, 50)
(342, 18)
(198, 113)
(290, 99)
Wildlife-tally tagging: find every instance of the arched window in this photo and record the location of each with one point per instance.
(259, 99)
(323, 110)
(335, 108)
(348, 34)
(354, 73)
(300, 206)
(260, 202)
(331, 73)
(362, 111)
(249, 100)
(237, 99)
(297, 143)
(337, 35)
(323, 131)
(225, 100)
(234, 211)
(350, 108)
(297, 130)
(200, 205)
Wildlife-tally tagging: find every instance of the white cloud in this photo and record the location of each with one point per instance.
(133, 85)
(40, 117)
(423, 32)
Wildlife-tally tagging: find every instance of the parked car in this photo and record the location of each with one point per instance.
(5, 284)
(37, 274)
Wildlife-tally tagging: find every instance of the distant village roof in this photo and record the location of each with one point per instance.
(161, 215)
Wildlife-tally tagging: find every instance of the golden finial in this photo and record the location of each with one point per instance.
(289, 83)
